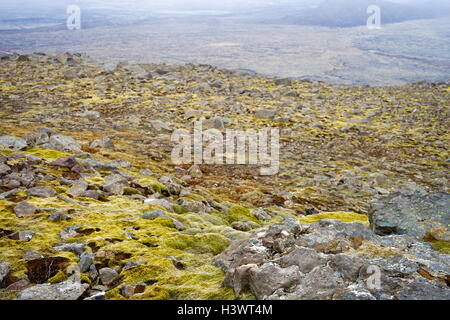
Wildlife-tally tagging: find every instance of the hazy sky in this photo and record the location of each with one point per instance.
(28, 7)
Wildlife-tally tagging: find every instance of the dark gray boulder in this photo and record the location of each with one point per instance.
(416, 215)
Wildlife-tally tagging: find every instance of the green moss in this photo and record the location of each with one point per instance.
(157, 269)
(59, 277)
(340, 215)
(153, 183)
(154, 293)
(200, 243)
(6, 152)
(114, 294)
(179, 209)
(85, 278)
(46, 153)
(238, 213)
(192, 197)
(7, 295)
(441, 246)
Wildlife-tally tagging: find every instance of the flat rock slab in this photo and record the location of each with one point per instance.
(416, 215)
(66, 290)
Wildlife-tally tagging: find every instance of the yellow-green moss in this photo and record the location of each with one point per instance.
(371, 250)
(46, 153)
(6, 152)
(59, 277)
(192, 197)
(441, 246)
(339, 215)
(239, 213)
(201, 243)
(179, 209)
(153, 183)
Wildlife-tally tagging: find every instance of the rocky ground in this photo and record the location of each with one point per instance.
(92, 207)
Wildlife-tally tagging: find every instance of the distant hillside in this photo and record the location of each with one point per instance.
(349, 13)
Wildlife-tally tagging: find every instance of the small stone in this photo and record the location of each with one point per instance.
(58, 216)
(265, 114)
(43, 192)
(93, 273)
(93, 194)
(146, 172)
(128, 291)
(262, 214)
(160, 126)
(4, 270)
(242, 226)
(177, 263)
(66, 290)
(114, 188)
(86, 260)
(20, 285)
(88, 114)
(218, 123)
(108, 276)
(159, 202)
(77, 189)
(152, 215)
(63, 143)
(105, 143)
(12, 143)
(4, 169)
(25, 235)
(24, 209)
(31, 255)
(195, 171)
(74, 247)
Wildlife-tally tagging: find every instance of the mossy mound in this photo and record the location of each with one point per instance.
(340, 215)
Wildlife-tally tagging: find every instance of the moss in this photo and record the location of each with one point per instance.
(153, 183)
(154, 293)
(85, 278)
(157, 269)
(200, 243)
(339, 215)
(192, 197)
(441, 246)
(59, 277)
(371, 250)
(130, 191)
(7, 295)
(179, 209)
(46, 153)
(114, 294)
(239, 213)
(6, 152)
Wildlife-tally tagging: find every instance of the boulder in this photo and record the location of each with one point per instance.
(24, 209)
(42, 192)
(66, 290)
(77, 189)
(416, 215)
(331, 259)
(108, 276)
(12, 143)
(63, 143)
